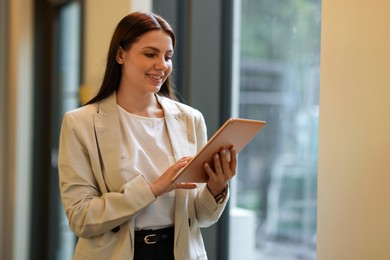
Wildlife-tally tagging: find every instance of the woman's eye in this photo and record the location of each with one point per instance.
(168, 58)
(150, 55)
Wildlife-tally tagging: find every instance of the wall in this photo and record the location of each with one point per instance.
(3, 122)
(101, 18)
(16, 127)
(354, 139)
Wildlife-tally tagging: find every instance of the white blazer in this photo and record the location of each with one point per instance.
(101, 206)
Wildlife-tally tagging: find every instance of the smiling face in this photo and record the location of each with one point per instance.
(147, 63)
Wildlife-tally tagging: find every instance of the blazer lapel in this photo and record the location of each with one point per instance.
(177, 127)
(106, 122)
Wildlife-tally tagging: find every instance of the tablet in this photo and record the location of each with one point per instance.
(236, 132)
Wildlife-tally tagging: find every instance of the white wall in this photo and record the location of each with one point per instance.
(354, 133)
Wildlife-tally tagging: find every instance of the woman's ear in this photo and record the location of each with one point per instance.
(120, 55)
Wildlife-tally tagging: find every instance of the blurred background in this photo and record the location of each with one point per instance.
(257, 59)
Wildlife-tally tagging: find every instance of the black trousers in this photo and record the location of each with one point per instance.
(154, 244)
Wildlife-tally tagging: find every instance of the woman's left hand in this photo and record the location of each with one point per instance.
(223, 170)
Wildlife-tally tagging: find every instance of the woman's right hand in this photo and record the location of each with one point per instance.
(165, 184)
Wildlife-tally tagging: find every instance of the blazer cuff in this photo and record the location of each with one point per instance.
(209, 201)
(140, 191)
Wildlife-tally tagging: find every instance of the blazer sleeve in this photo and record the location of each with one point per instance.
(90, 209)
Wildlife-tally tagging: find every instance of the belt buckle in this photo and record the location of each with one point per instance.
(148, 241)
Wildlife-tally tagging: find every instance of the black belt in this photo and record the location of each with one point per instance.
(151, 236)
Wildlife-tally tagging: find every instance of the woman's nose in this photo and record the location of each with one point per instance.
(162, 64)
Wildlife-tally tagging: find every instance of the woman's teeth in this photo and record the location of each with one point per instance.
(155, 77)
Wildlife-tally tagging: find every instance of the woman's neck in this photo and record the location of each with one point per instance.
(142, 105)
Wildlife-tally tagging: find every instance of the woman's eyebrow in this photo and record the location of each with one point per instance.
(157, 49)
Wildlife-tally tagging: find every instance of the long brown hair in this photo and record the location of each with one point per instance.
(128, 31)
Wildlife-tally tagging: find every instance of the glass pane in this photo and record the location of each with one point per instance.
(69, 65)
(274, 196)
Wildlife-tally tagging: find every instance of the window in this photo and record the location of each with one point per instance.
(274, 200)
(67, 96)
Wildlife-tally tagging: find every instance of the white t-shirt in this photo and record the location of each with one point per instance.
(146, 150)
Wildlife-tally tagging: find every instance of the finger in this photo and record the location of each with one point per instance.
(179, 165)
(185, 185)
(186, 158)
(233, 160)
(217, 164)
(225, 162)
(208, 170)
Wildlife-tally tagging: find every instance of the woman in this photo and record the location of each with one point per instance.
(119, 152)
